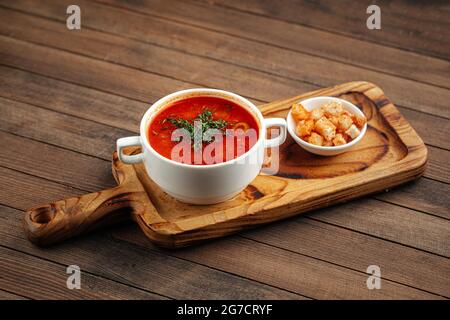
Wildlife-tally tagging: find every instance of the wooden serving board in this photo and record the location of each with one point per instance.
(391, 153)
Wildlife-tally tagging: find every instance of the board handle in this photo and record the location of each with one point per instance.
(50, 223)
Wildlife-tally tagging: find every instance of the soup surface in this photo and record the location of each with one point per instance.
(203, 130)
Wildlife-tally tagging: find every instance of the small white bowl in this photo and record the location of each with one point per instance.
(315, 103)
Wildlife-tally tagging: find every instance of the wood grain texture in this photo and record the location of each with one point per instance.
(417, 196)
(135, 266)
(299, 273)
(420, 26)
(64, 219)
(5, 295)
(72, 68)
(357, 251)
(441, 171)
(428, 233)
(139, 263)
(196, 71)
(37, 278)
(393, 153)
(309, 70)
(242, 25)
(54, 163)
(294, 37)
(322, 254)
(423, 122)
(25, 120)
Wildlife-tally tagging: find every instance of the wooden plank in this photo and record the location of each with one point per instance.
(60, 165)
(137, 262)
(424, 194)
(403, 225)
(4, 295)
(91, 73)
(68, 98)
(41, 279)
(67, 131)
(196, 71)
(110, 109)
(132, 265)
(292, 65)
(433, 130)
(317, 279)
(297, 38)
(438, 166)
(415, 26)
(21, 197)
(357, 251)
(294, 37)
(367, 249)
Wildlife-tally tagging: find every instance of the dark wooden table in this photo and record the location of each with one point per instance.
(66, 96)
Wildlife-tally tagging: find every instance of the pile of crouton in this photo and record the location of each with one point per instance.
(330, 125)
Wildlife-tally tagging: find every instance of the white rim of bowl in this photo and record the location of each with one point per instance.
(243, 103)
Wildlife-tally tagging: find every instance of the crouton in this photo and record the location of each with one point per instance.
(339, 140)
(334, 120)
(299, 112)
(304, 127)
(353, 131)
(316, 114)
(344, 122)
(333, 109)
(315, 138)
(326, 128)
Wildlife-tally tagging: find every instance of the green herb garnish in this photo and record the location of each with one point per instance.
(207, 122)
(183, 124)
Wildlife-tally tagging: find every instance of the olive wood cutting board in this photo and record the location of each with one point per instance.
(390, 154)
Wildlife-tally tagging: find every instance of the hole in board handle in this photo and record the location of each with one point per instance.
(43, 215)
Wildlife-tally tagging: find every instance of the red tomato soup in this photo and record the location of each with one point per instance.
(213, 130)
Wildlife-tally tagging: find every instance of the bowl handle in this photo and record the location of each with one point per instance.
(128, 142)
(279, 140)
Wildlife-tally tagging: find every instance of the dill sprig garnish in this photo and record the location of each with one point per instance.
(207, 122)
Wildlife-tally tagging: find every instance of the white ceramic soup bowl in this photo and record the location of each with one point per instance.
(316, 103)
(202, 184)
